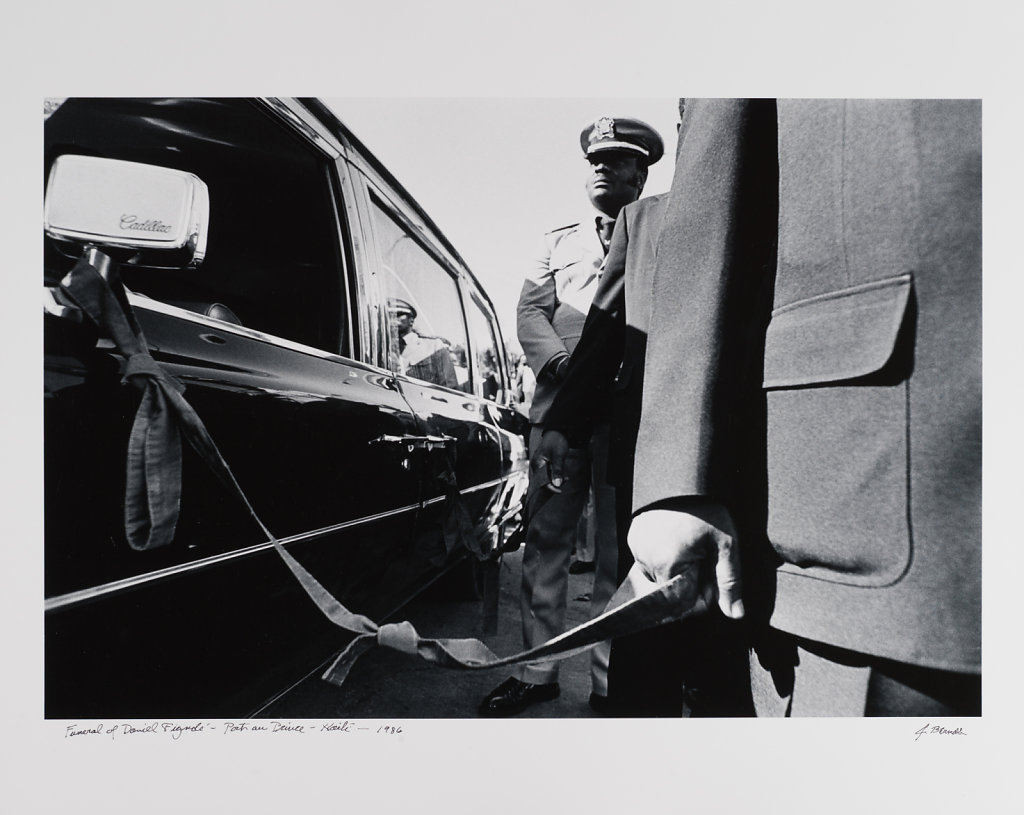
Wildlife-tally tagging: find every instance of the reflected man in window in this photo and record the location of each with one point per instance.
(420, 356)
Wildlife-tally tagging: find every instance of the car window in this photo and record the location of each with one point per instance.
(490, 382)
(425, 320)
(274, 260)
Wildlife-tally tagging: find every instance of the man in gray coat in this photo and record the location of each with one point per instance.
(697, 666)
(810, 435)
(555, 299)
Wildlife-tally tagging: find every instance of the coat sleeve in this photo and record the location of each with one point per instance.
(586, 390)
(536, 309)
(715, 255)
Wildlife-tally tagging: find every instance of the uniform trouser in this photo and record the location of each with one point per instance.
(585, 532)
(551, 531)
(795, 677)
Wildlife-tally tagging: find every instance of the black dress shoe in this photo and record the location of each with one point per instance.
(581, 566)
(512, 697)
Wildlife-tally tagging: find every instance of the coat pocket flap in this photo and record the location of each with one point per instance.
(837, 336)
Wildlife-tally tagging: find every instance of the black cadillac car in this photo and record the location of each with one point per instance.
(339, 353)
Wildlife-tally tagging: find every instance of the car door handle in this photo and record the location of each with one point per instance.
(411, 443)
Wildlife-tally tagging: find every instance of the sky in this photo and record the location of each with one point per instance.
(495, 174)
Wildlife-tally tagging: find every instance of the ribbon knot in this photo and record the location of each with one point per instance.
(143, 365)
(400, 636)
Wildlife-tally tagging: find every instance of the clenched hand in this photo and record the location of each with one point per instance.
(550, 457)
(667, 542)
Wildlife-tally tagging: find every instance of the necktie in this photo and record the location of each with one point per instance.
(604, 229)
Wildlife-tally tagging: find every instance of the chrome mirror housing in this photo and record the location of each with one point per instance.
(139, 213)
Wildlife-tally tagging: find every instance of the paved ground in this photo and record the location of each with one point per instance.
(385, 684)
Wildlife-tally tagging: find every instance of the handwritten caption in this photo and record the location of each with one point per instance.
(937, 730)
(178, 730)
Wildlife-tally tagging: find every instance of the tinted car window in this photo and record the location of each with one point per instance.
(273, 255)
(425, 320)
(489, 382)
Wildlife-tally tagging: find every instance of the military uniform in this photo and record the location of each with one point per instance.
(552, 310)
(419, 356)
(553, 306)
(427, 358)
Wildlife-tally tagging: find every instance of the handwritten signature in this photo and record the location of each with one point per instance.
(176, 730)
(938, 730)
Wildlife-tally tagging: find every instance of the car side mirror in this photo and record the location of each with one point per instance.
(138, 213)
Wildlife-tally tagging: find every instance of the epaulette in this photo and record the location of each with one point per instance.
(563, 228)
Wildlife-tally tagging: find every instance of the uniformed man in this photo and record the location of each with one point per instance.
(552, 309)
(420, 356)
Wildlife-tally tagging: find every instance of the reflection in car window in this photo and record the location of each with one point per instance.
(425, 321)
(490, 381)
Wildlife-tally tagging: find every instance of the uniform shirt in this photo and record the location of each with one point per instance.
(555, 299)
(427, 358)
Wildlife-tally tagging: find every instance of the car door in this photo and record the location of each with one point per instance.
(434, 362)
(213, 622)
(493, 385)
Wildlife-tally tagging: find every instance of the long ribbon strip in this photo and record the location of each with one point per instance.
(153, 493)
(638, 604)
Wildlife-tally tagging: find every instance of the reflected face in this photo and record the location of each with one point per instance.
(404, 320)
(616, 179)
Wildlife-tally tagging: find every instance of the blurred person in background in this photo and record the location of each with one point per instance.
(525, 386)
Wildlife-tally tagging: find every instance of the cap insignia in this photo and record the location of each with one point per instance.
(604, 128)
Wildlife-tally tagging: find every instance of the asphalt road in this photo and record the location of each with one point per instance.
(386, 684)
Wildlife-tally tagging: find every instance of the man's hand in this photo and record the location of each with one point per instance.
(550, 457)
(667, 542)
